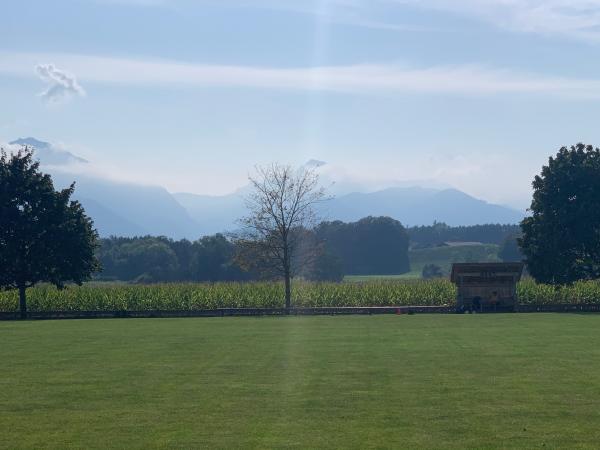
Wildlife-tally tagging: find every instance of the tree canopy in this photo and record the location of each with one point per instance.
(510, 250)
(152, 259)
(370, 246)
(44, 235)
(561, 238)
(431, 271)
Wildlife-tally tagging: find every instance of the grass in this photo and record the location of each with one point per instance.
(439, 381)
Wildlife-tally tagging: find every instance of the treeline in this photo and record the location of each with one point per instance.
(153, 259)
(373, 245)
(439, 232)
(370, 246)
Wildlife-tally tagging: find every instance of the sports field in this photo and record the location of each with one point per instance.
(421, 381)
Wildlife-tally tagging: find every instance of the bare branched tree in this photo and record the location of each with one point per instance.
(280, 211)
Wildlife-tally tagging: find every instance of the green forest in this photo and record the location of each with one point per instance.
(373, 246)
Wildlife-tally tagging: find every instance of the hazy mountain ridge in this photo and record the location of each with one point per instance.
(411, 206)
(213, 213)
(117, 208)
(47, 153)
(129, 209)
(421, 206)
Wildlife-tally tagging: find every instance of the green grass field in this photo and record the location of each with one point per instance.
(422, 381)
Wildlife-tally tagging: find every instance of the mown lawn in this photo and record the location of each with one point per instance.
(422, 381)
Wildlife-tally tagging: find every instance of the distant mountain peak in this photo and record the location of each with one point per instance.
(31, 142)
(47, 153)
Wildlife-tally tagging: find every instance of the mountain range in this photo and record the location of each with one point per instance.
(48, 154)
(128, 209)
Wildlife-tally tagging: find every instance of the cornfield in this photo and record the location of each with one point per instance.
(195, 296)
(580, 292)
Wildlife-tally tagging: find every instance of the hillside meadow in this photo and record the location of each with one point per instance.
(195, 296)
(441, 255)
(444, 256)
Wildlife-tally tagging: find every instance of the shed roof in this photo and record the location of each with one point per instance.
(490, 269)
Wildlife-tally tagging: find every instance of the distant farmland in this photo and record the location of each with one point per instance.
(446, 255)
(442, 256)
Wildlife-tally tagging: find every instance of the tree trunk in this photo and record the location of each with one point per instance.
(22, 302)
(288, 291)
(287, 275)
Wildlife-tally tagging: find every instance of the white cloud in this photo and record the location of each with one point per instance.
(60, 84)
(358, 79)
(574, 18)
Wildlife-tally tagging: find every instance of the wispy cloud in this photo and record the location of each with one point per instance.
(358, 13)
(572, 18)
(60, 84)
(578, 19)
(356, 79)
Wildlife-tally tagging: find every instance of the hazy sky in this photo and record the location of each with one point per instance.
(192, 94)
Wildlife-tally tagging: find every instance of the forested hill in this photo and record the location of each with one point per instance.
(439, 233)
(370, 246)
(373, 245)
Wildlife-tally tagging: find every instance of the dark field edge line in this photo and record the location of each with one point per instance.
(229, 312)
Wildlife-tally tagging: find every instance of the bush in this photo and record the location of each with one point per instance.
(432, 271)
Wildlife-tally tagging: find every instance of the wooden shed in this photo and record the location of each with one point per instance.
(486, 286)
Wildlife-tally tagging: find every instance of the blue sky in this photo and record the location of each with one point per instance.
(191, 95)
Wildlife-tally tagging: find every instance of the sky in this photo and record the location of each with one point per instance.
(191, 95)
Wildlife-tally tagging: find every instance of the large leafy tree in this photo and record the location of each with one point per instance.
(561, 239)
(44, 235)
(509, 249)
(370, 246)
(432, 271)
